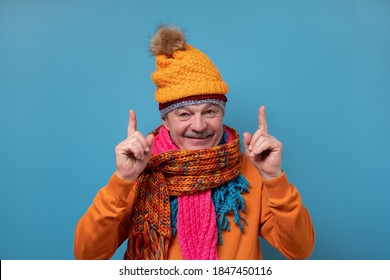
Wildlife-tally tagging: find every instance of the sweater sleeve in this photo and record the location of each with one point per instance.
(104, 226)
(284, 221)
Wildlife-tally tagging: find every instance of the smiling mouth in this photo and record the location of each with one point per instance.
(199, 136)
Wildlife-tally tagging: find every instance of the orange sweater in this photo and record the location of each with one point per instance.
(274, 211)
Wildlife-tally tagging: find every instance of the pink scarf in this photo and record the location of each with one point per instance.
(196, 218)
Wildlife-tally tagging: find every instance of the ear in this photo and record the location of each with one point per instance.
(165, 122)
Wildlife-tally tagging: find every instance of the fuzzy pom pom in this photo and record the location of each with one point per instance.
(167, 40)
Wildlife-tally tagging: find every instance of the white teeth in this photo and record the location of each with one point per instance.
(198, 136)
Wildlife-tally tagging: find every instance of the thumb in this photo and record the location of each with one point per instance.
(247, 139)
(149, 138)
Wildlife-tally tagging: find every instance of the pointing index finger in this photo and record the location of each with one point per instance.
(132, 127)
(263, 126)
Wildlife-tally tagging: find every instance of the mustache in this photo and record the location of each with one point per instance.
(199, 135)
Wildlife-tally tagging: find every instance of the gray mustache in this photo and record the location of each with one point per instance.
(199, 135)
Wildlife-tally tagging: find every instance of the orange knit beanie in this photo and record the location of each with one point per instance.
(183, 72)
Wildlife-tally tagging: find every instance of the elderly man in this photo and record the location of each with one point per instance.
(185, 191)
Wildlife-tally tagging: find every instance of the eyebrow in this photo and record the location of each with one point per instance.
(208, 106)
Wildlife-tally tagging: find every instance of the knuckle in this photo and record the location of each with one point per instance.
(137, 134)
(118, 147)
(118, 150)
(132, 140)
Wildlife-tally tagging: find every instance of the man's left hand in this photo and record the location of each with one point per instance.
(264, 150)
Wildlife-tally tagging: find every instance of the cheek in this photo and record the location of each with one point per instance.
(216, 124)
(218, 128)
(177, 128)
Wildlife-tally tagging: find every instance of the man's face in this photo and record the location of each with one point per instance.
(195, 127)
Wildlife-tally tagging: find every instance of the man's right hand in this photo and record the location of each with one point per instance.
(133, 154)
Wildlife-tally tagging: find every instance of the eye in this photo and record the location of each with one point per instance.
(183, 115)
(211, 112)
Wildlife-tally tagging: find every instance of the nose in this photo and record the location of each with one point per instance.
(198, 123)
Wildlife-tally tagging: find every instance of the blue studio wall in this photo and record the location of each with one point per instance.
(71, 70)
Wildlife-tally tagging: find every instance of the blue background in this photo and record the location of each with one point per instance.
(71, 70)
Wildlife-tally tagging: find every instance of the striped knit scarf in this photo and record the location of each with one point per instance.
(190, 176)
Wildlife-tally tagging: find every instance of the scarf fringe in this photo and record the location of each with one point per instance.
(148, 245)
(228, 198)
